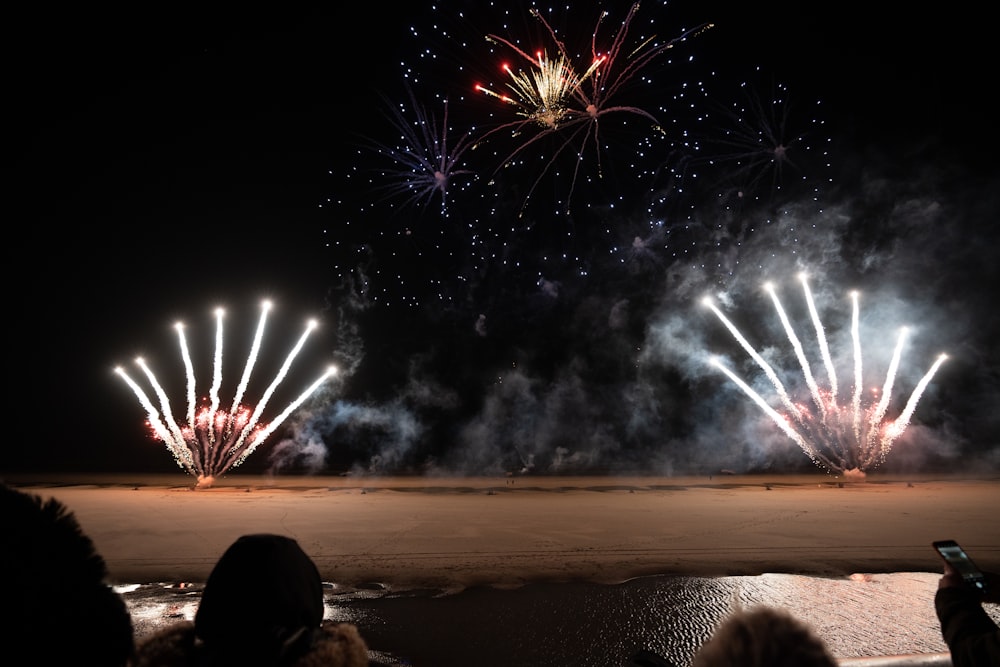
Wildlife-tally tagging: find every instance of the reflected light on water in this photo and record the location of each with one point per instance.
(863, 615)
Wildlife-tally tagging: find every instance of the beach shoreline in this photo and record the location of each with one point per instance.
(554, 570)
(452, 533)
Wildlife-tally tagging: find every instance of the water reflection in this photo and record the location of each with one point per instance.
(601, 625)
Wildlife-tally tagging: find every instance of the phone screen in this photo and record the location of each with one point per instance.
(955, 555)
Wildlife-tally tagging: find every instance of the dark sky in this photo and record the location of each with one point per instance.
(169, 163)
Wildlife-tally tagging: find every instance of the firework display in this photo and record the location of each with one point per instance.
(587, 159)
(427, 160)
(539, 134)
(844, 437)
(515, 232)
(553, 96)
(213, 439)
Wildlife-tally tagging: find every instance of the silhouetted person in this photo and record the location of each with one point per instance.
(262, 605)
(973, 638)
(60, 608)
(763, 637)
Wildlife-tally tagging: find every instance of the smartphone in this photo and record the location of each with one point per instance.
(955, 556)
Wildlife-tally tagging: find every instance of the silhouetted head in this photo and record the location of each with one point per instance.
(61, 609)
(263, 599)
(763, 637)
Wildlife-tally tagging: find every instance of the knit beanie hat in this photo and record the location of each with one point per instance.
(263, 599)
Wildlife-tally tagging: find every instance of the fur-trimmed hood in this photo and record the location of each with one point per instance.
(333, 645)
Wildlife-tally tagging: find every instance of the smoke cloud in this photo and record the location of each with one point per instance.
(611, 376)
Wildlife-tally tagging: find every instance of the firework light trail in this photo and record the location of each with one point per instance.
(561, 103)
(553, 96)
(844, 439)
(428, 157)
(213, 441)
(760, 146)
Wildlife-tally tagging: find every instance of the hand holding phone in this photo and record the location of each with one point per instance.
(955, 556)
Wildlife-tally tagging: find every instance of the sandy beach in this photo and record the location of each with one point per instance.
(452, 533)
(553, 571)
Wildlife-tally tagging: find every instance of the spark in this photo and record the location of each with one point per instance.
(542, 95)
(556, 99)
(567, 100)
(213, 440)
(427, 158)
(848, 440)
(761, 145)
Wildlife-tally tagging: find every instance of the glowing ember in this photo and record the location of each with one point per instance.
(553, 97)
(543, 93)
(214, 440)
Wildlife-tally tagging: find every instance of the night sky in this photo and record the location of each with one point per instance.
(169, 163)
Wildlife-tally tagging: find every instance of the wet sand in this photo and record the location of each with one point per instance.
(453, 533)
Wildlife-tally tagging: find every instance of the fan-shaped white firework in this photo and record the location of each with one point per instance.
(214, 440)
(849, 438)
